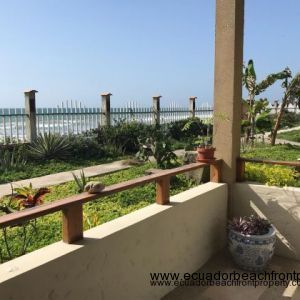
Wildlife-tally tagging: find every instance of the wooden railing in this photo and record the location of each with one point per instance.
(241, 162)
(72, 219)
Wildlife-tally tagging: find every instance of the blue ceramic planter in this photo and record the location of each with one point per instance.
(252, 252)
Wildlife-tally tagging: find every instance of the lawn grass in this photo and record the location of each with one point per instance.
(293, 136)
(41, 168)
(278, 152)
(96, 212)
(273, 175)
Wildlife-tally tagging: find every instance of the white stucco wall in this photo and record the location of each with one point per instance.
(115, 259)
(280, 205)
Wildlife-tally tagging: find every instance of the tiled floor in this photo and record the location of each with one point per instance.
(224, 263)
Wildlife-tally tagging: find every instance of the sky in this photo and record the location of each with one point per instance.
(75, 49)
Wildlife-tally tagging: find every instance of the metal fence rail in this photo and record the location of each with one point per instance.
(12, 125)
(132, 112)
(173, 113)
(71, 117)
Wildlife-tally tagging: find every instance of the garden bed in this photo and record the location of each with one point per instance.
(52, 153)
(273, 175)
(47, 229)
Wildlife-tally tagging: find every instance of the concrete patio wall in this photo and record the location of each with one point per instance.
(115, 259)
(280, 205)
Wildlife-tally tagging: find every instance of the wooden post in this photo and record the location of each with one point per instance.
(72, 225)
(30, 119)
(240, 170)
(163, 190)
(156, 109)
(105, 109)
(228, 84)
(192, 106)
(215, 172)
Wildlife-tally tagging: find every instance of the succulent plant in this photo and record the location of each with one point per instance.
(50, 146)
(252, 225)
(80, 181)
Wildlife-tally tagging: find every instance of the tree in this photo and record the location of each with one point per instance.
(291, 96)
(255, 89)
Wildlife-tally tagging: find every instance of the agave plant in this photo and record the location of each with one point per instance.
(253, 225)
(49, 146)
(80, 181)
(30, 197)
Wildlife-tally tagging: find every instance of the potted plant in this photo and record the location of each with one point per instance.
(251, 242)
(205, 149)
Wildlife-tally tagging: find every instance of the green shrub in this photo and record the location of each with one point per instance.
(187, 129)
(85, 146)
(112, 150)
(124, 136)
(272, 175)
(50, 146)
(158, 145)
(264, 123)
(12, 160)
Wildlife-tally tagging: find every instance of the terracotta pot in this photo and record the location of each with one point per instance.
(205, 153)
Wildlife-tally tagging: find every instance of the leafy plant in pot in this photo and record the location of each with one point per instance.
(251, 242)
(205, 149)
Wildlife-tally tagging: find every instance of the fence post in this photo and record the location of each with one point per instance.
(240, 170)
(163, 190)
(105, 109)
(192, 106)
(72, 224)
(156, 109)
(30, 119)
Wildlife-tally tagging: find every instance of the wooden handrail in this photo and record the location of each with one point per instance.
(72, 206)
(242, 160)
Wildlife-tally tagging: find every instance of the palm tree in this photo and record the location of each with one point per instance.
(291, 96)
(254, 89)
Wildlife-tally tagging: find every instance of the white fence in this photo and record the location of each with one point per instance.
(71, 117)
